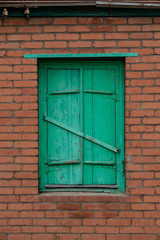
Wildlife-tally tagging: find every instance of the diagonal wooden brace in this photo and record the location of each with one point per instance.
(81, 134)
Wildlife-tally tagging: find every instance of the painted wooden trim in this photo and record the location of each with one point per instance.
(43, 65)
(82, 55)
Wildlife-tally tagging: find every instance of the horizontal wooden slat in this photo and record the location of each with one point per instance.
(81, 186)
(100, 163)
(99, 92)
(64, 92)
(51, 163)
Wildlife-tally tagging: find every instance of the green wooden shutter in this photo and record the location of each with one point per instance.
(81, 124)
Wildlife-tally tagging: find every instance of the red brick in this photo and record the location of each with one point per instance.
(20, 37)
(29, 29)
(140, 113)
(67, 36)
(81, 198)
(68, 236)
(19, 236)
(90, 20)
(56, 44)
(131, 229)
(54, 29)
(26, 175)
(118, 222)
(140, 20)
(107, 214)
(107, 229)
(141, 35)
(114, 20)
(112, 206)
(32, 214)
(7, 29)
(82, 229)
(104, 28)
(126, 28)
(58, 230)
(44, 222)
(143, 206)
(79, 29)
(90, 36)
(90, 236)
(79, 44)
(129, 43)
(150, 27)
(55, 214)
(44, 206)
(40, 21)
(20, 222)
(95, 206)
(81, 214)
(116, 36)
(104, 44)
(64, 21)
(31, 45)
(152, 230)
(31, 229)
(92, 222)
(153, 199)
(69, 206)
(5, 229)
(141, 128)
(43, 236)
(143, 237)
(119, 237)
(131, 214)
(69, 222)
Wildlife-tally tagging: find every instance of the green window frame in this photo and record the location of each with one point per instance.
(92, 96)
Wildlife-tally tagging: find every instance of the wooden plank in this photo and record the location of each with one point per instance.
(51, 163)
(82, 186)
(81, 134)
(82, 55)
(100, 163)
(100, 122)
(64, 108)
(99, 92)
(64, 92)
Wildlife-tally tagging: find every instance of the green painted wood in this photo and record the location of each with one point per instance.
(99, 92)
(50, 163)
(82, 12)
(99, 123)
(64, 92)
(64, 108)
(81, 186)
(82, 55)
(100, 163)
(84, 112)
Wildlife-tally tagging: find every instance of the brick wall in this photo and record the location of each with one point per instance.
(27, 215)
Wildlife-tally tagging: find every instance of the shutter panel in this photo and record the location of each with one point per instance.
(80, 123)
(99, 122)
(64, 107)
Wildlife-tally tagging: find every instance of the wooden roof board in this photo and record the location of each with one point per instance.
(99, 3)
